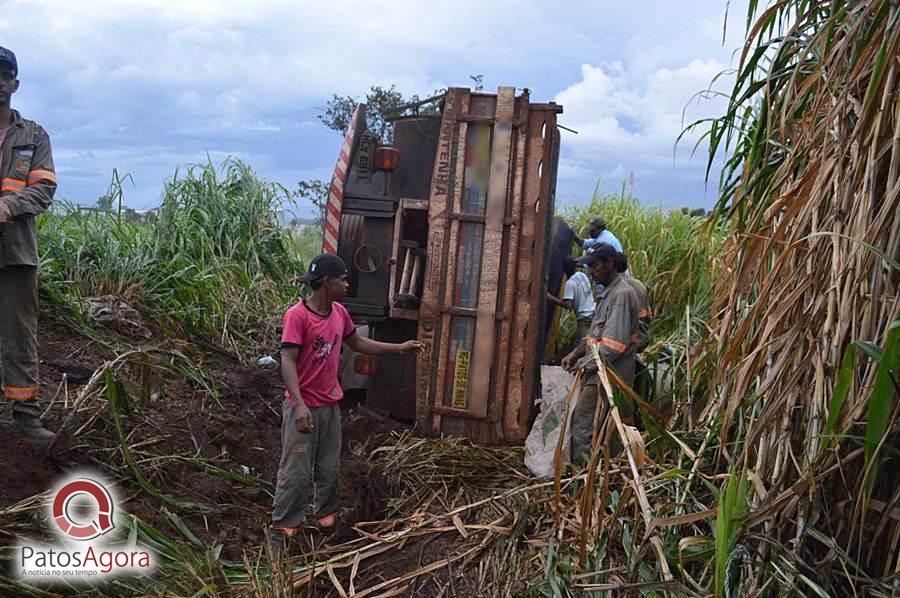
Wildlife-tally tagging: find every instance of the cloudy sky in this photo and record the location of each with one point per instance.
(147, 86)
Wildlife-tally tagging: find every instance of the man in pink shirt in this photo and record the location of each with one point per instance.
(314, 330)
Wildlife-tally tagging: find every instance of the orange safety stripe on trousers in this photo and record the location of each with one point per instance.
(14, 185)
(613, 344)
(21, 393)
(38, 175)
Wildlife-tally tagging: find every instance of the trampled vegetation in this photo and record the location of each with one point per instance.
(773, 474)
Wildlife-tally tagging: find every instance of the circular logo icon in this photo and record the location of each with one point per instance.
(95, 493)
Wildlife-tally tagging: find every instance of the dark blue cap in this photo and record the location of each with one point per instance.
(599, 251)
(8, 57)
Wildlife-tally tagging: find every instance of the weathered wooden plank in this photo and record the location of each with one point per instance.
(435, 262)
(545, 135)
(524, 327)
(486, 326)
(509, 357)
(448, 249)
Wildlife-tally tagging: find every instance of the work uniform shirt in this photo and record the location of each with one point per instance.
(645, 314)
(578, 290)
(614, 329)
(28, 185)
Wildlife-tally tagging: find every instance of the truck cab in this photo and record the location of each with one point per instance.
(445, 233)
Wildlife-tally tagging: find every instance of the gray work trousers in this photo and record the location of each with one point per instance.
(307, 459)
(583, 420)
(18, 338)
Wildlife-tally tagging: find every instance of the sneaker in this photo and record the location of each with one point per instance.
(328, 522)
(32, 426)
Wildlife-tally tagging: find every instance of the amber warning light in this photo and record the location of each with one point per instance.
(387, 158)
(365, 365)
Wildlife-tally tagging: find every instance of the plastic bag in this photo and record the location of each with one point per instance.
(540, 445)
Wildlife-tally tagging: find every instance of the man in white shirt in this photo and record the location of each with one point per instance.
(577, 296)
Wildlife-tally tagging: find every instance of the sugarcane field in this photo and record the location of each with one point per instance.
(419, 299)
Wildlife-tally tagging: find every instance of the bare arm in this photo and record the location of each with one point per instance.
(292, 382)
(577, 353)
(563, 303)
(361, 344)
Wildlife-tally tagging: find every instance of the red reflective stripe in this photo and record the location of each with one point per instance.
(21, 393)
(38, 175)
(330, 228)
(613, 344)
(14, 185)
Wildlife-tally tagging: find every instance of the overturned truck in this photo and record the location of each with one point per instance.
(446, 236)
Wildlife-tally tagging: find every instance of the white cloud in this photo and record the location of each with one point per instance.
(628, 126)
(609, 113)
(132, 76)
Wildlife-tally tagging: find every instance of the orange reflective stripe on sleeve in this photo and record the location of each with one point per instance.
(21, 393)
(613, 344)
(38, 175)
(14, 185)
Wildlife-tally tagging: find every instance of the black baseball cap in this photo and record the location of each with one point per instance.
(7, 57)
(326, 264)
(600, 251)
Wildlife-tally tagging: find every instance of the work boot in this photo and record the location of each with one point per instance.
(32, 425)
(279, 539)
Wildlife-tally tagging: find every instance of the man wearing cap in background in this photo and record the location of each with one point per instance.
(614, 330)
(645, 314)
(311, 341)
(28, 185)
(598, 233)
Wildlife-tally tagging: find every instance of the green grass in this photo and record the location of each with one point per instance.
(672, 252)
(213, 265)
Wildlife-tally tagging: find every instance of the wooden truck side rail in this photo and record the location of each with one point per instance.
(489, 212)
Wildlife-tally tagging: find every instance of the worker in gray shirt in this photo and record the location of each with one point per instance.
(28, 185)
(614, 330)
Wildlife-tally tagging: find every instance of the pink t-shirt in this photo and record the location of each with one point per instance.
(319, 339)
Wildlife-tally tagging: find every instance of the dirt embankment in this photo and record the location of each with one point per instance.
(169, 434)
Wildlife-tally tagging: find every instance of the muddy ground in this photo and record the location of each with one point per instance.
(240, 436)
